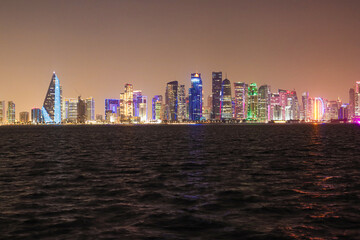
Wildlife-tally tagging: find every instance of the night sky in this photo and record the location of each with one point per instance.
(95, 47)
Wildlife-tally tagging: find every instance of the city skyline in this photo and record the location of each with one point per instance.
(96, 49)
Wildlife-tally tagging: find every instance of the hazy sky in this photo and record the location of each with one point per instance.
(96, 47)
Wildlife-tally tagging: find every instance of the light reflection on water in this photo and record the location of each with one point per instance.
(180, 182)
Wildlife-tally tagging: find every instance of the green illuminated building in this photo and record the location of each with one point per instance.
(253, 103)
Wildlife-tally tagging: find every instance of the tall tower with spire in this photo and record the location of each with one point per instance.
(51, 109)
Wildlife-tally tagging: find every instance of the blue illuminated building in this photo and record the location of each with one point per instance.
(111, 105)
(195, 97)
(51, 110)
(36, 116)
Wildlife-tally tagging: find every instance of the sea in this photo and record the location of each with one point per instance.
(244, 181)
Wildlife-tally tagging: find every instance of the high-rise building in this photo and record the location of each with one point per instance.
(333, 110)
(51, 109)
(252, 102)
(142, 101)
(357, 99)
(241, 91)
(181, 103)
(226, 103)
(129, 101)
(344, 112)
(283, 94)
(305, 104)
(318, 109)
(36, 116)
(216, 90)
(157, 105)
(81, 110)
(351, 107)
(90, 109)
(171, 101)
(70, 107)
(292, 108)
(2, 111)
(24, 117)
(111, 105)
(275, 108)
(264, 100)
(137, 94)
(195, 97)
(11, 112)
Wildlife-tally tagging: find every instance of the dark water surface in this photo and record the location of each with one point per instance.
(180, 182)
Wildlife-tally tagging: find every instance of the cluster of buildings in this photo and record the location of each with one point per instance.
(228, 102)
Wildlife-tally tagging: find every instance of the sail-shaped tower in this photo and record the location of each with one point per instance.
(51, 109)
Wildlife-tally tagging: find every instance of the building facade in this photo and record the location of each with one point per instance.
(252, 113)
(240, 108)
(51, 110)
(171, 101)
(195, 97)
(216, 98)
(226, 101)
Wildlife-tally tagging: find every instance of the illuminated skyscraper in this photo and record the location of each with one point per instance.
(90, 109)
(241, 92)
(24, 117)
(137, 94)
(171, 101)
(357, 99)
(275, 108)
(195, 97)
(2, 111)
(252, 103)
(157, 105)
(226, 103)
(318, 109)
(283, 94)
(36, 116)
(292, 108)
(181, 103)
(306, 110)
(344, 112)
(111, 105)
(81, 110)
(11, 112)
(216, 90)
(264, 103)
(70, 110)
(351, 107)
(51, 109)
(129, 101)
(332, 110)
(142, 101)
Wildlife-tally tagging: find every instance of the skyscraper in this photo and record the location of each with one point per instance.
(51, 109)
(70, 110)
(275, 108)
(226, 103)
(181, 103)
(306, 110)
(351, 107)
(111, 105)
(11, 112)
(357, 99)
(137, 94)
(216, 90)
(2, 111)
(36, 116)
(90, 109)
(195, 97)
(264, 103)
(81, 110)
(171, 101)
(142, 101)
(252, 103)
(129, 101)
(157, 103)
(318, 109)
(241, 91)
(283, 94)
